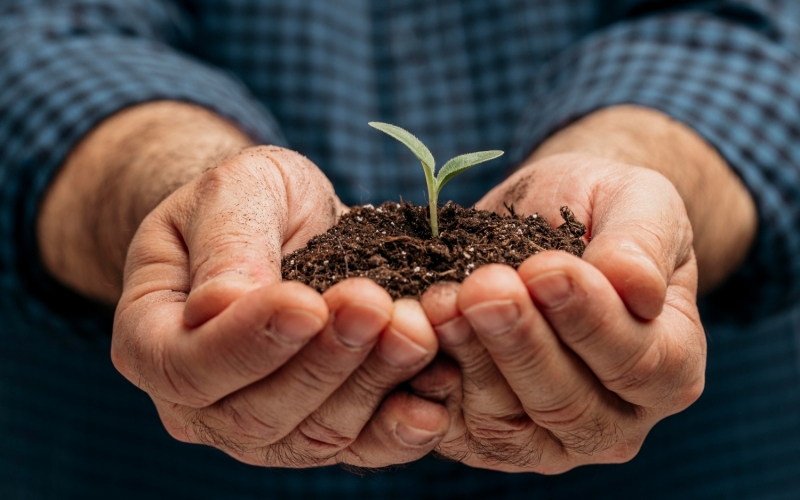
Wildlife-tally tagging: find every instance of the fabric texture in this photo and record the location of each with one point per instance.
(463, 75)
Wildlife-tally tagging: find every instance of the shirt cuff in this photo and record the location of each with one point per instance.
(734, 86)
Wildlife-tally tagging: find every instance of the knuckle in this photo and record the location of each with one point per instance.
(247, 359)
(480, 365)
(242, 420)
(210, 431)
(484, 425)
(588, 331)
(691, 368)
(657, 242)
(285, 453)
(213, 181)
(561, 408)
(690, 393)
(370, 384)
(508, 441)
(623, 452)
(571, 413)
(494, 451)
(591, 436)
(126, 357)
(322, 436)
(518, 361)
(178, 433)
(455, 449)
(315, 375)
(640, 371)
(438, 381)
(294, 168)
(555, 470)
(176, 427)
(177, 386)
(246, 171)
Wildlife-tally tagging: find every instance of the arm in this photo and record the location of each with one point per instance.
(597, 351)
(201, 232)
(114, 178)
(69, 66)
(158, 208)
(725, 70)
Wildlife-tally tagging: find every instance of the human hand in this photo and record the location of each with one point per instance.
(566, 361)
(271, 373)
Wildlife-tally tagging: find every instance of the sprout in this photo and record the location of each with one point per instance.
(447, 172)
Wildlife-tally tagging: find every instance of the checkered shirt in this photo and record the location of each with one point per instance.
(464, 75)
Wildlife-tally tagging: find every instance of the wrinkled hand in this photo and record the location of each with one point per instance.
(271, 373)
(567, 361)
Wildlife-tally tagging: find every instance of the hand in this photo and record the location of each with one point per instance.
(271, 373)
(566, 361)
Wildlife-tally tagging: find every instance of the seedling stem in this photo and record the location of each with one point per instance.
(447, 172)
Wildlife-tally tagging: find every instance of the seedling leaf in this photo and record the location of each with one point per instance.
(447, 172)
(414, 144)
(461, 163)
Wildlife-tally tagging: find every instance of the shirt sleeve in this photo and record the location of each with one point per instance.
(65, 65)
(732, 73)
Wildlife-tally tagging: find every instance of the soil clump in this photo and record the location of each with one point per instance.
(392, 245)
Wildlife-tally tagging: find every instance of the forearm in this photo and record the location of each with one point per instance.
(721, 211)
(114, 178)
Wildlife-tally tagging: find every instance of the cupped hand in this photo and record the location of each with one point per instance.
(270, 372)
(570, 361)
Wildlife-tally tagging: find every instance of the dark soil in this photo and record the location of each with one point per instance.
(392, 245)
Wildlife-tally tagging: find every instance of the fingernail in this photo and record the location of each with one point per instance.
(414, 436)
(294, 325)
(400, 351)
(551, 289)
(357, 325)
(495, 317)
(454, 332)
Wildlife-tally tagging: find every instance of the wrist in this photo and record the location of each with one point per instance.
(720, 209)
(114, 178)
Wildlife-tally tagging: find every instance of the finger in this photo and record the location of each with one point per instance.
(644, 362)
(440, 382)
(266, 411)
(498, 430)
(404, 348)
(242, 216)
(554, 387)
(486, 392)
(405, 428)
(234, 227)
(248, 341)
(640, 234)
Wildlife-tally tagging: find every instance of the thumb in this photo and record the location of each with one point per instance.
(233, 226)
(640, 235)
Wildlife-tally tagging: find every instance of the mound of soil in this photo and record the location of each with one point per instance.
(392, 245)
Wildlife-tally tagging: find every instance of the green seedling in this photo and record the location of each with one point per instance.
(447, 172)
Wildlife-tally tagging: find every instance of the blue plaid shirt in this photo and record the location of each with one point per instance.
(465, 75)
